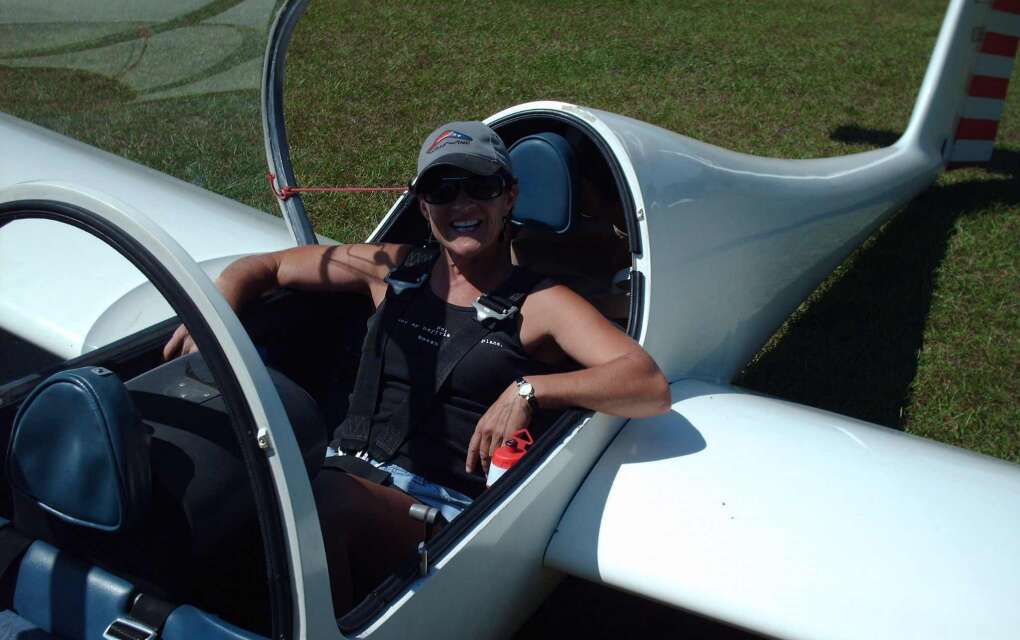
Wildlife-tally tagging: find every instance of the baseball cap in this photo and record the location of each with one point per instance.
(471, 146)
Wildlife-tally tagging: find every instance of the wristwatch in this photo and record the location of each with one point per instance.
(526, 391)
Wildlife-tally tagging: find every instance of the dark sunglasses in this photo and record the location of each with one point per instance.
(445, 190)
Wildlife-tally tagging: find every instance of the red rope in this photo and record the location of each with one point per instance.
(286, 192)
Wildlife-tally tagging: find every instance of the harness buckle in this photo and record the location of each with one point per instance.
(400, 285)
(487, 308)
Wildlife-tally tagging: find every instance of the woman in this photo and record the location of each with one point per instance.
(466, 192)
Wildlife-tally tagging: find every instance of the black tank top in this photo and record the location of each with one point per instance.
(436, 447)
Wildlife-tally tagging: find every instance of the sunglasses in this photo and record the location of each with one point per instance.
(445, 190)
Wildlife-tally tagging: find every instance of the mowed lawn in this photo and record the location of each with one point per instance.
(919, 330)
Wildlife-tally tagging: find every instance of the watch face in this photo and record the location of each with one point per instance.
(525, 389)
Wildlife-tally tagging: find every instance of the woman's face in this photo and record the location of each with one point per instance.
(470, 223)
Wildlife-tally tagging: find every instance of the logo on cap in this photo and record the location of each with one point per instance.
(449, 137)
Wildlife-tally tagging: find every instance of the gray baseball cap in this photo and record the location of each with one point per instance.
(471, 146)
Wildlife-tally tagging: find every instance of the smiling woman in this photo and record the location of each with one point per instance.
(465, 349)
(698, 252)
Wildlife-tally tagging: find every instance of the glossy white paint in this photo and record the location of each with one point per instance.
(489, 584)
(733, 243)
(731, 246)
(943, 92)
(799, 523)
(737, 242)
(779, 518)
(84, 283)
(313, 610)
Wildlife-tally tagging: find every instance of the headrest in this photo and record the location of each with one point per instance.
(79, 452)
(544, 166)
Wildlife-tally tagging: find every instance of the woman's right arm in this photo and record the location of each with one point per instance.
(353, 268)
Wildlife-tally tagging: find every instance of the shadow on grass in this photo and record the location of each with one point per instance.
(854, 350)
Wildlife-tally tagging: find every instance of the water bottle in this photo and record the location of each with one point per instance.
(507, 455)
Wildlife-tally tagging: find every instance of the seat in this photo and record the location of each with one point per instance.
(78, 468)
(553, 237)
(78, 458)
(147, 480)
(56, 596)
(544, 166)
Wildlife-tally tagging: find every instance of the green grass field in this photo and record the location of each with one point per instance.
(919, 330)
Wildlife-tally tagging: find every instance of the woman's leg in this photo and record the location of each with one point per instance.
(367, 532)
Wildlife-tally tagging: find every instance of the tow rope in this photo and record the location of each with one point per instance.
(283, 193)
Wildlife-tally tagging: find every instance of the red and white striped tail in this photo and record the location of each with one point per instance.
(986, 92)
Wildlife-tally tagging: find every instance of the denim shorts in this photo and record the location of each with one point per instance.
(449, 502)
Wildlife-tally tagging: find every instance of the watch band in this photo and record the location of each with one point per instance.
(527, 391)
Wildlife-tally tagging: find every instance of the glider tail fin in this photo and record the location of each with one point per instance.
(958, 109)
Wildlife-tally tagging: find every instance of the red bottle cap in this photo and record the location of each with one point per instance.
(513, 449)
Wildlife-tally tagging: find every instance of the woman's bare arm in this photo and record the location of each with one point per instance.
(354, 268)
(617, 376)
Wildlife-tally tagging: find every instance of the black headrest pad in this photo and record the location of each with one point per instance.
(79, 451)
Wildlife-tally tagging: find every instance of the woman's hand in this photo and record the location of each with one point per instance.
(507, 415)
(180, 344)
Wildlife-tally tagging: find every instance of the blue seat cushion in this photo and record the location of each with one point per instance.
(66, 597)
(78, 451)
(188, 623)
(543, 164)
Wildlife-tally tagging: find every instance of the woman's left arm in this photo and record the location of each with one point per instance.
(617, 377)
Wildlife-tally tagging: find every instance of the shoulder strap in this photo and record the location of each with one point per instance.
(145, 620)
(414, 270)
(503, 304)
(506, 301)
(354, 432)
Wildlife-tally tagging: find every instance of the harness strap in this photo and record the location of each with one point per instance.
(355, 466)
(509, 297)
(145, 620)
(354, 432)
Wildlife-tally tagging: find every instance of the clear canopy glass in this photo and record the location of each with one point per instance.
(174, 86)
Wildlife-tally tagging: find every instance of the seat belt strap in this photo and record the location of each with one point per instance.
(355, 466)
(354, 432)
(145, 621)
(506, 301)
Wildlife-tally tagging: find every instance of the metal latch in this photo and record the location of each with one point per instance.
(262, 438)
(400, 285)
(484, 310)
(127, 629)
(427, 516)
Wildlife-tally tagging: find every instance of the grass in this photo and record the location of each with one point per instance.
(918, 330)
